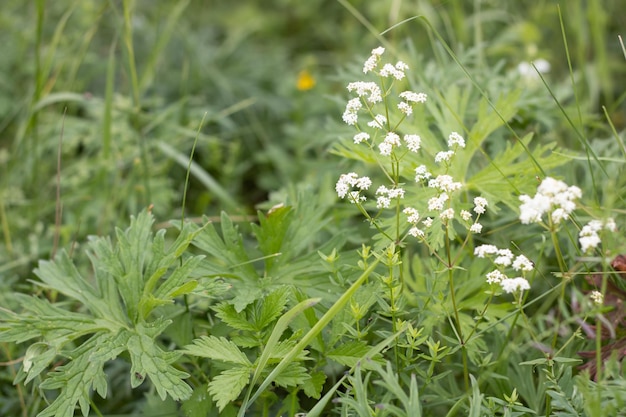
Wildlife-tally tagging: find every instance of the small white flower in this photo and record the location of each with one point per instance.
(372, 61)
(412, 97)
(413, 142)
(427, 222)
(476, 228)
(421, 173)
(445, 183)
(456, 139)
(412, 214)
(436, 203)
(383, 202)
(596, 297)
(588, 243)
(479, 205)
(363, 183)
(447, 214)
(523, 263)
(355, 196)
(405, 108)
(361, 137)
(483, 250)
(610, 225)
(466, 215)
(495, 277)
(371, 90)
(416, 232)
(504, 258)
(347, 181)
(443, 156)
(378, 122)
(554, 197)
(511, 285)
(385, 148)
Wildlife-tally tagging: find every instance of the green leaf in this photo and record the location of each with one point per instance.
(229, 315)
(150, 360)
(130, 279)
(313, 386)
(292, 376)
(199, 404)
(227, 386)
(271, 232)
(348, 354)
(217, 348)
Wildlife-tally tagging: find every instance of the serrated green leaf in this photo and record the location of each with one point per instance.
(121, 291)
(271, 232)
(226, 312)
(348, 354)
(149, 360)
(292, 376)
(312, 387)
(270, 308)
(227, 386)
(217, 348)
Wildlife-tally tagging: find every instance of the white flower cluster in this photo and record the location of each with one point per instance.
(596, 297)
(385, 195)
(589, 237)
(503, 258)
(553, 197)
(383, 137)
(347, 182)
(370, 93)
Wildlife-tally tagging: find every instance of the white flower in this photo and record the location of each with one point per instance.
(412, 97)
(413, 142)
(443, 156)
(597, 297)
(386, 194)
(456, 139)
(413, 215)
(479, 205)
(363, 183)
(405, 108)
(466, 215)
(504, 258)
(554, 197)
(396, 72)
(355, 196)
(383, 202)
(511, 285)
(610, 225)
(416, 232)
(523, 263)
(589, 238)
(445, 183)
(427, 222)
(369, 89)
(476, 228)
(482, 250)
(347, 181)
(495, 277)
(352, 107)
(385, 148)
(436, 203)
(447, 214)
(378, 122)
(372, 61)
(421, 173)
(361, 137)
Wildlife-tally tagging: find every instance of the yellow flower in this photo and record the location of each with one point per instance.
(305, 81)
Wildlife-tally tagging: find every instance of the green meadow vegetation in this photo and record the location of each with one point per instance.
(312, 208)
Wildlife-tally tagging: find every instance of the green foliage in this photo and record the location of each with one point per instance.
(116, 313)
(293, 303)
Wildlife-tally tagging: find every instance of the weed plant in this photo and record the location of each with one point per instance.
(457, 254)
